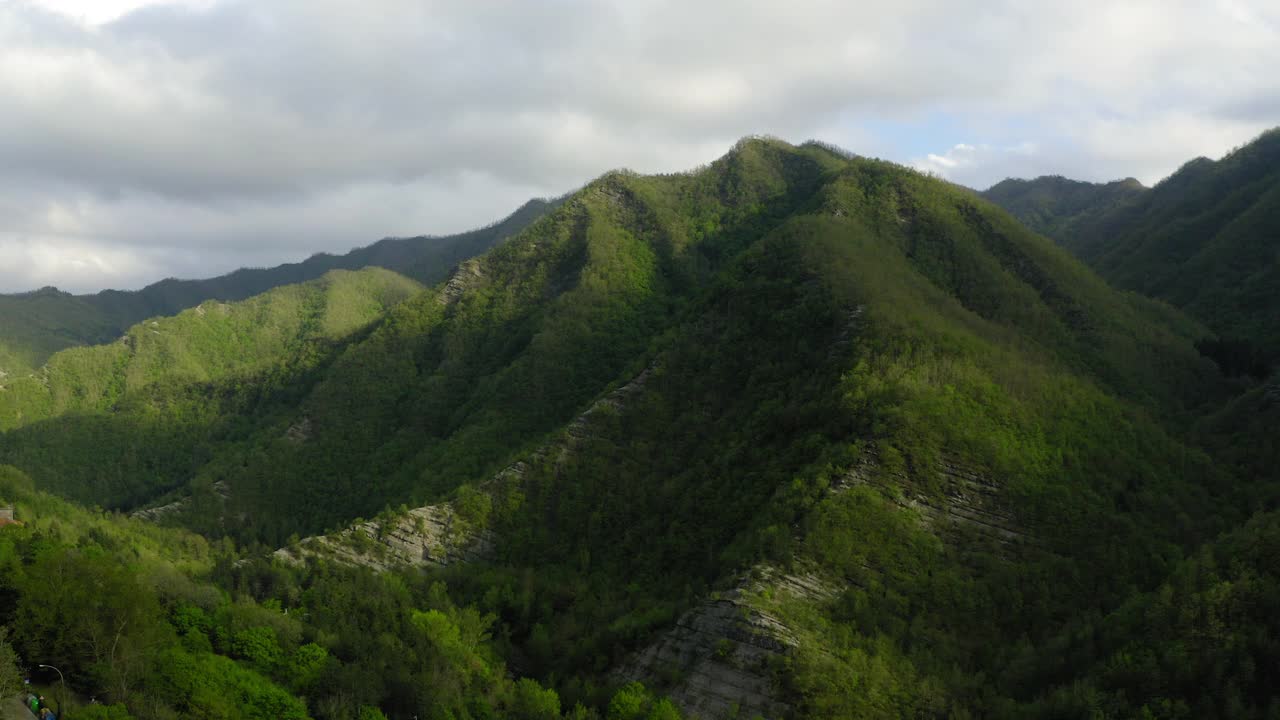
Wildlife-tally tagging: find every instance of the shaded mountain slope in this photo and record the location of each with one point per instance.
(1205, 239)
(1203, 644)
(113, 424)
(1056, 206)
(516, 342)
(35, 325)
(152, 623)
(735, 441)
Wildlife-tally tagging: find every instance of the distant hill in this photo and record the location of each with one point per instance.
(36, 324)
(1206, 239)
(1053, 205)
(135, 409)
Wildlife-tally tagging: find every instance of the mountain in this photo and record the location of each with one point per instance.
(37, 324)
(1205, 239)
(133, 416)
(1054, 206)
(123, 619)
(799, 434)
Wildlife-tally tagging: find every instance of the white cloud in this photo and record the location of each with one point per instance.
(979, 165)
(97, 12)
(293, 126)
(33, 261)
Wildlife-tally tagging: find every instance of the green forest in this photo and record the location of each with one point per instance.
(1202, 239)
(798, 434)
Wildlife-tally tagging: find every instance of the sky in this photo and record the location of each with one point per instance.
(144, 139)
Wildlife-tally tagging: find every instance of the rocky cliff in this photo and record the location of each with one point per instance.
(434, 535)
(437, 535)
(723, 658)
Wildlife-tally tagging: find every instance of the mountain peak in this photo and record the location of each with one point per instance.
(44, 292)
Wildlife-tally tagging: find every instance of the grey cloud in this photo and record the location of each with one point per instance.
(291, 126)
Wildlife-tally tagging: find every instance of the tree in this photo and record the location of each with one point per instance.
(86, 611)
(10, 676)
(533, 702)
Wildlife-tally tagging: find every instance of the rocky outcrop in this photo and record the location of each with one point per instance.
(435, 535)
(1272, 392)
(431, 536)
(720, 658)
(465, 276)
(202, 308)
(843, 341)
(972, 501)
(969, 501)
(155, 514)
(299, 432)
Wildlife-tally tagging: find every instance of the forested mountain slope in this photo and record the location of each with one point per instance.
(34, 325)
(1205, 239)
(913, 444)
(115, 424)
(1054, 206)
(156, 622)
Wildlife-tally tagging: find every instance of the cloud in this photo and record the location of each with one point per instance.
(32, 261)
(974, 165)
(1096, 148)
(97, 12)
(82, 241)
(209, 128)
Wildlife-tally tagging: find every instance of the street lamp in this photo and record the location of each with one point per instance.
(63, 681)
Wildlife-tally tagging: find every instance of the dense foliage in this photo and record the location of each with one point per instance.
(159, 623)
(809, 348)
(1203, 239)
(1056, 206)
(117, 424)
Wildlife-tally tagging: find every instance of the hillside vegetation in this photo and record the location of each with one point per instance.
(116, 424)
(37, 324)
(1205, 239)
(159, 623)
(791, 369)
(1056, 206)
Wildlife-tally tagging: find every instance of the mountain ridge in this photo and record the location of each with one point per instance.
(36, 323)
(856, 378)
(1203, 239)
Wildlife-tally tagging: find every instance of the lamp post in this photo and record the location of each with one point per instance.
(62, 681)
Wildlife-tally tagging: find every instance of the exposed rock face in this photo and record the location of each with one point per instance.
(579, 429)
(423, 537)
(156, 513)
(719, 655)
(435, 535)
(1272, 392)
(717, 662)
(300, 431)
(159, 513)
(852, 323)
(969, 500)
(720, 659)
(802, 582)
(465, 276)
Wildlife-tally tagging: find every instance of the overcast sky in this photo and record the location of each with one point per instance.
(140, 140)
